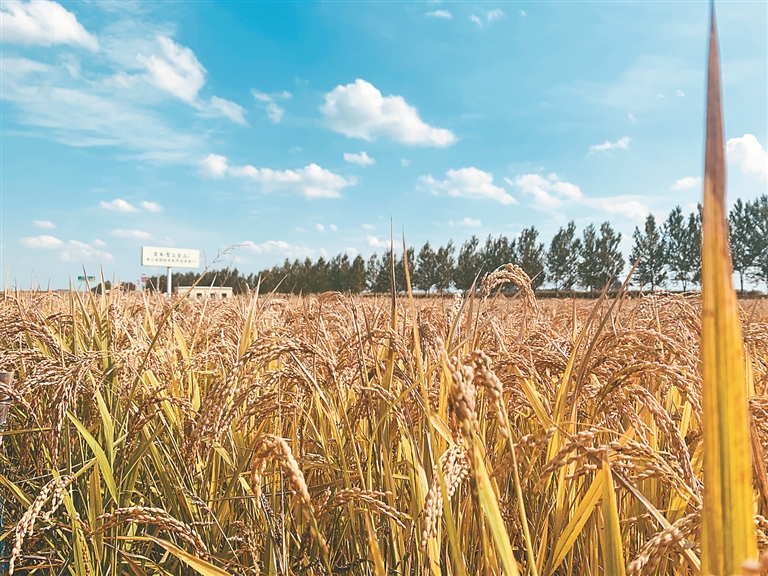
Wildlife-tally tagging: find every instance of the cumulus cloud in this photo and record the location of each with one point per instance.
(312, 181)
(472, 223)
(80, 252)
(751, 157)
(440, 14)
(135, 234)
(376, 243)
(549, 192)
(275, 112)
(277, 247)
(333, 227)
(177, 71)
(362, 159)
(118, 205)
(320, 227)
(359, 110)
(490, 16)
(633, 209)
(44, 224)
(467, 183)
(621, 143)
(220, 107)
(213, 166)
(686, 183)
(42, 23)
(151, 206)
(41, 242)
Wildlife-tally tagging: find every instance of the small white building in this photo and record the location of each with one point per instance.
(202, 292)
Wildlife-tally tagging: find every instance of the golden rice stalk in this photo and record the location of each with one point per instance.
(728, 533)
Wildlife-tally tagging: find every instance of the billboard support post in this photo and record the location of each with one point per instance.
(168, 284)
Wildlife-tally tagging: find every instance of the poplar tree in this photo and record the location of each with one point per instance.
(530, 256)
(563, 258)
(650, 248)
(444, 266)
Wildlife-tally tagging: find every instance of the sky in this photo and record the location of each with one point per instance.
(259, 131)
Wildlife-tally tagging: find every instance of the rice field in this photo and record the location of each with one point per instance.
(360, 435)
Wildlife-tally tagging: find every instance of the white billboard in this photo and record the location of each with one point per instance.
(170, 257)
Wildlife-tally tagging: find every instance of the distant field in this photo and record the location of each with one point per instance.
(309, 435)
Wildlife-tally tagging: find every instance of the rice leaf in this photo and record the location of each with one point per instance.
(728, 532)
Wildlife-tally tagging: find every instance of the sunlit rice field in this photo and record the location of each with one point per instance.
(360, 435)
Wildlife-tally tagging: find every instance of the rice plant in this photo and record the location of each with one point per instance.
(332, 434)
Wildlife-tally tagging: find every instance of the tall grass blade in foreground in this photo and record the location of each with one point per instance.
(728, 534)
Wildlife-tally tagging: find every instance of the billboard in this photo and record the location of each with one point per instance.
(170, 257)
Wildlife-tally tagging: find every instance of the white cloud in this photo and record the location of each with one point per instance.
(470, 222)
(99, 243)
(686, 183)
(632, 119)
(476, 20)
(44, 224)
(404, 163)
(747, 152)
(621, 143)
(363, 159)
(151, 206)
(277, 247)
(137, 234)
(312, 181)
(548, 192)
(523, 14)
(213, 166)
(368, 227)
(633, 209)
(320, 227)
(440, 14)
(679, 93)
(43, 23)
(468, 183)
(492, 15)
(220, 107)
(274, 111)
(333, 227)
(118, 205)
(360, 111)
(352, 251)
(178, 71)
(41, 242)
(80, 252)
(376, 243)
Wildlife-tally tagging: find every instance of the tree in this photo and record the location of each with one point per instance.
(677, 237)
(563, 258)
(741, 224)
(377, 275)
(601, 259)
(589, 266)
(693, 252)
(444, 267)
(610, 257)
(467, 264)
(530, 256)
(425, 276)
(760, 208)
(497, 252)
(650, 248)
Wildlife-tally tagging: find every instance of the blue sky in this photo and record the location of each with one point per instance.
(295, 129)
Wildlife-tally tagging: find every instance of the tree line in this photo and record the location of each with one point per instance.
(667, 253)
